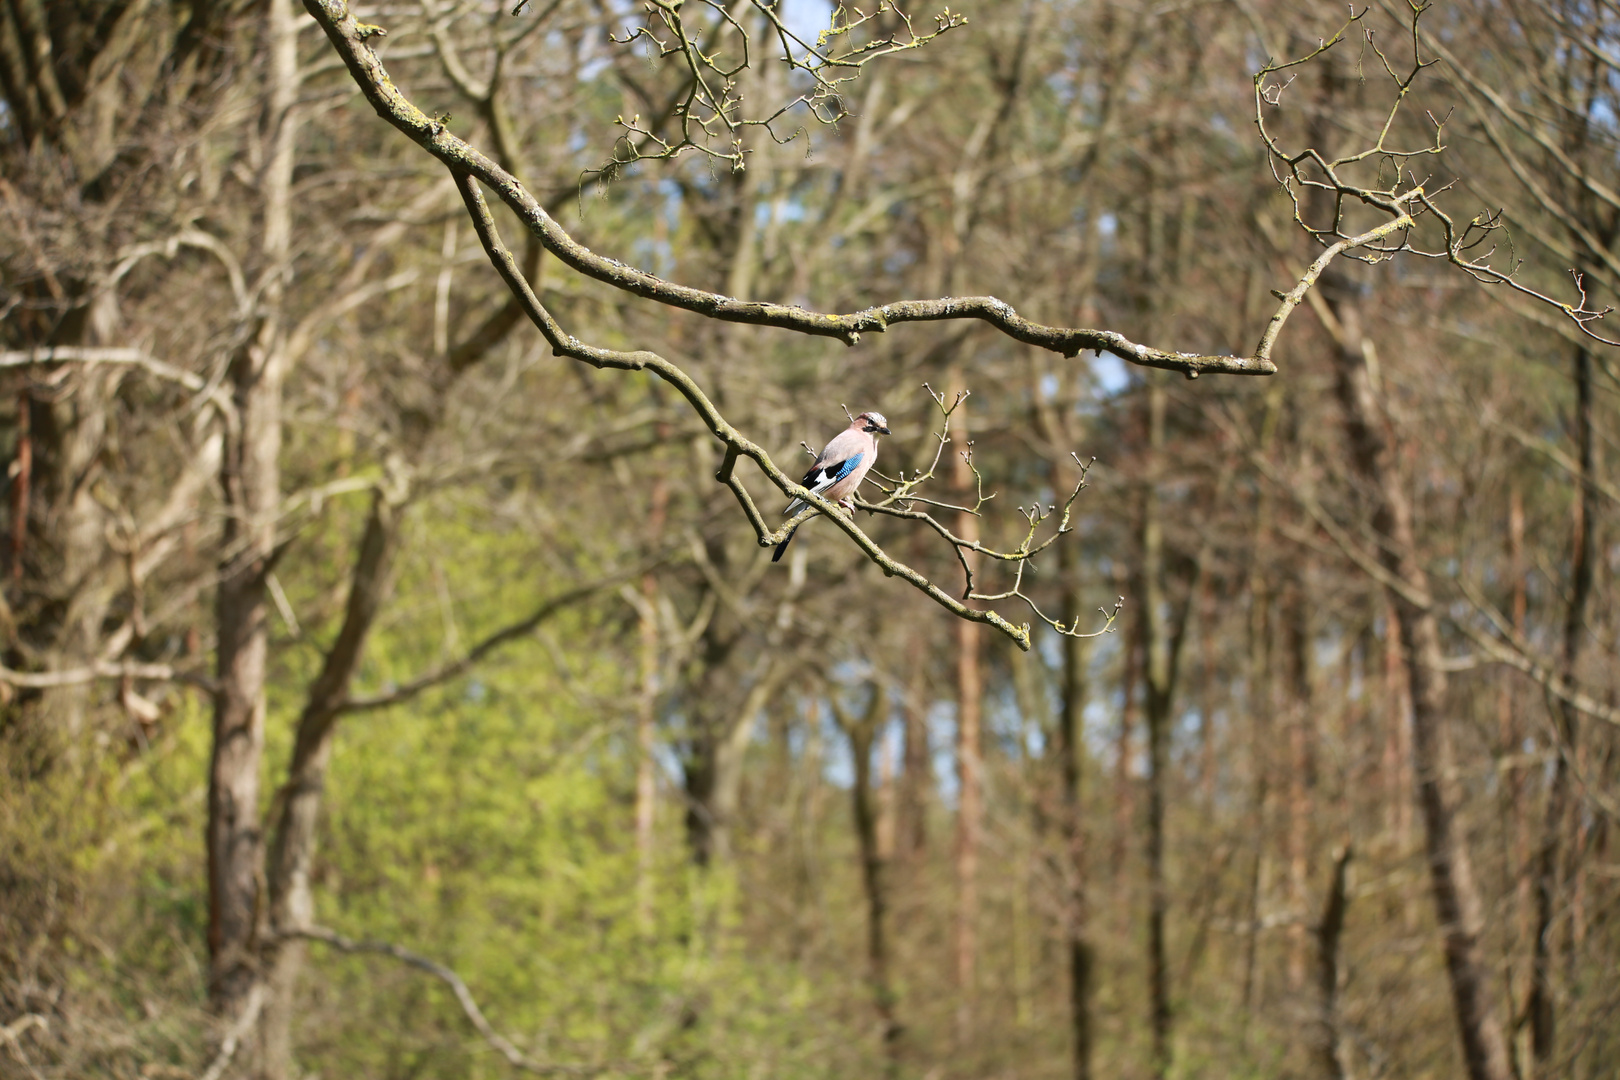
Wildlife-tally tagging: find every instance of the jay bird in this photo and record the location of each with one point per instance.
(840, 468)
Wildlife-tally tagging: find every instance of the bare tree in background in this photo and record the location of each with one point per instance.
(259, 375)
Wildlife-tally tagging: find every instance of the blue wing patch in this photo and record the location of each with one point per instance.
(822, 477)
(849, 466)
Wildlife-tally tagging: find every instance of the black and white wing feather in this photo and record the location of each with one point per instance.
(823, 475)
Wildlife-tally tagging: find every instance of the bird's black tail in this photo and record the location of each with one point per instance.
(786, 540)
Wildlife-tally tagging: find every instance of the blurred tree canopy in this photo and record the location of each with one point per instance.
(389, 688)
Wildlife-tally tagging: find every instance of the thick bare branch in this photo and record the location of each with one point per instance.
(462, 158)
(565, 344)
(44, 680)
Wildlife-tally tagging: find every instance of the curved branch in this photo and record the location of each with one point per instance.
(564, 344)
(462, 158)
(91, 356)
(494, 641)
(515, 1057)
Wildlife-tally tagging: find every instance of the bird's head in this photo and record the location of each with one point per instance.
(872, 422)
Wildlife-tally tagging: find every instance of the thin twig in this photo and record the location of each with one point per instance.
(503, 1046)
(464, 159)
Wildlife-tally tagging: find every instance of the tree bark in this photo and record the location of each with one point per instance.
(646, 717)
(711, 717)
(1125, 744)
(1159, 685)
(1397, 764)
(969, 761)
(916, 776)
(1517, 842)
(721, 724)
(862, 733)
(1543, 1020)
(1456, 894)
(22, 470)
(1329, 931)
(1071, 746)
(251, 480)
(292, 903)
(1299, 787)
(1260, 699)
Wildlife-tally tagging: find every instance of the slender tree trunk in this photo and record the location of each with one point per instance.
(1543, 1021)
(1261, 710)
(969, 760)
(1158, 699)
(916, 777)
(292, 902)
(710, 720)
(646, 777)
(1329, 932)
(1257, 871)
(713, 781)
(1299, 789)
(646, 716)
(1456, 893)
(1516, 820)
(723, 725)
(1398, 782)
(862, 733)
(22, 470)
(1208, 614)
(1071, 745)
(251, 479)
(969, 775)
(1124, 744)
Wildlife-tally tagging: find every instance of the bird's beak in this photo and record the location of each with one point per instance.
(883, 431)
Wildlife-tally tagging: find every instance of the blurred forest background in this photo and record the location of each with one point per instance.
(349, 632)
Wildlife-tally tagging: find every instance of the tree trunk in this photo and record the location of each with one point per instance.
(916, 777)
(22, 469)
(1398, 783)
(722, 725)
(292, 903)
(969, 759)
(710, 721)
(1071, 745)
(1125, 745)
(862, 733)
(1299, 789)
(1208, 616)
(713, 777)
(969, 777)
(1456, 894)
(1328, 934)
(1157, 701)
(1543, 1021)
(251, 479)
(646, 718)
(1515, 817)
